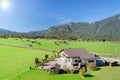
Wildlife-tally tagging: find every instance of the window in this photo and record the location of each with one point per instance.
(75, 64)
(91, 61)
(79, 60)
(76, 61)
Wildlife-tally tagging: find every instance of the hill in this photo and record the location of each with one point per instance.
(106, 29)
(12, 33)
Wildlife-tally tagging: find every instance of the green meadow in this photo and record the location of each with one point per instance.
(105, 73)
(100, 47)
(15, 61)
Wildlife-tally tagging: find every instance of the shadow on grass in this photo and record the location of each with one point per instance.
(118, 64)
(98, 68)
(88, 75)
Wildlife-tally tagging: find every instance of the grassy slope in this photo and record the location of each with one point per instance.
(15, 60)
(106, 73)
(101, 47)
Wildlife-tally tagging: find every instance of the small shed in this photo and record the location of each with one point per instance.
(55, 68)
(111, 63)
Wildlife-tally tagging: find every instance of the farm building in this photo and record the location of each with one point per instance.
(73, 57)
(111, 63)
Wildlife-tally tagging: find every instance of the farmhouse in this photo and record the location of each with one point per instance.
(74, 57)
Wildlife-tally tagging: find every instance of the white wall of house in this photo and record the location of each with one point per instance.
(63, 58)
(87, 61)
(95, 62)
(72, 60)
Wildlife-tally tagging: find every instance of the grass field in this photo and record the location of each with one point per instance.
(101, 47)
(106, 73)
(15, 61)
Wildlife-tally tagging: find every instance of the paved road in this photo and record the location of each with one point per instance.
(114, 59)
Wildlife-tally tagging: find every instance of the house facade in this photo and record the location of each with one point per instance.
(74, 57)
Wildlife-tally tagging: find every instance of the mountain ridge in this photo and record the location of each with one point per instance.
(108, 28)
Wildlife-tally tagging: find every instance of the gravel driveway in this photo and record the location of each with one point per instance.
(49, 63)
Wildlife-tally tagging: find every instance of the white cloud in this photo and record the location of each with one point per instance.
(59, 17)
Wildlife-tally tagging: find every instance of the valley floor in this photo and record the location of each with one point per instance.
(15, 61)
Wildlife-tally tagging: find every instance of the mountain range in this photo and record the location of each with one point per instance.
(108, 29)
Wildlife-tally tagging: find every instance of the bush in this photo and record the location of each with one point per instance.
(38, 43)
(36, 60)
(31, 68)
(52, 57)
(81, 71)
(32, 41)
(71, 71)
(28, 40)
(42, 60)
(30, 45)
(58, 54)
(46, 56)
(91, 66)
(55, 55)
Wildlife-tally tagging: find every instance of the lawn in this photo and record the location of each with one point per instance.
(16, 60)
(105, 73)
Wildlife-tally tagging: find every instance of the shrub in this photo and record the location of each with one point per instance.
(28, 40)
(42, 60)
(30, 45)
(32, 41)
(52, 57)
(38, 43)
(55, 55)
(71, 71)
(37, 61)
(21, 38)
(81, 71)
(31, 68)
(46, 56)
(91, 66)
(35, 41)
(58, 54)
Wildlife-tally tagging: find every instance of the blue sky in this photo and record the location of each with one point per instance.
(31, 15)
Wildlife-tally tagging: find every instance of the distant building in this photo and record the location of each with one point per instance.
(74, 57)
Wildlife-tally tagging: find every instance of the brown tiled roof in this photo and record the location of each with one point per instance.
(79, 52)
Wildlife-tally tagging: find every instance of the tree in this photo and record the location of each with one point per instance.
(46, 56)
(82, 70)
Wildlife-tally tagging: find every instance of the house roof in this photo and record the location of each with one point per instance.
(79, 52)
